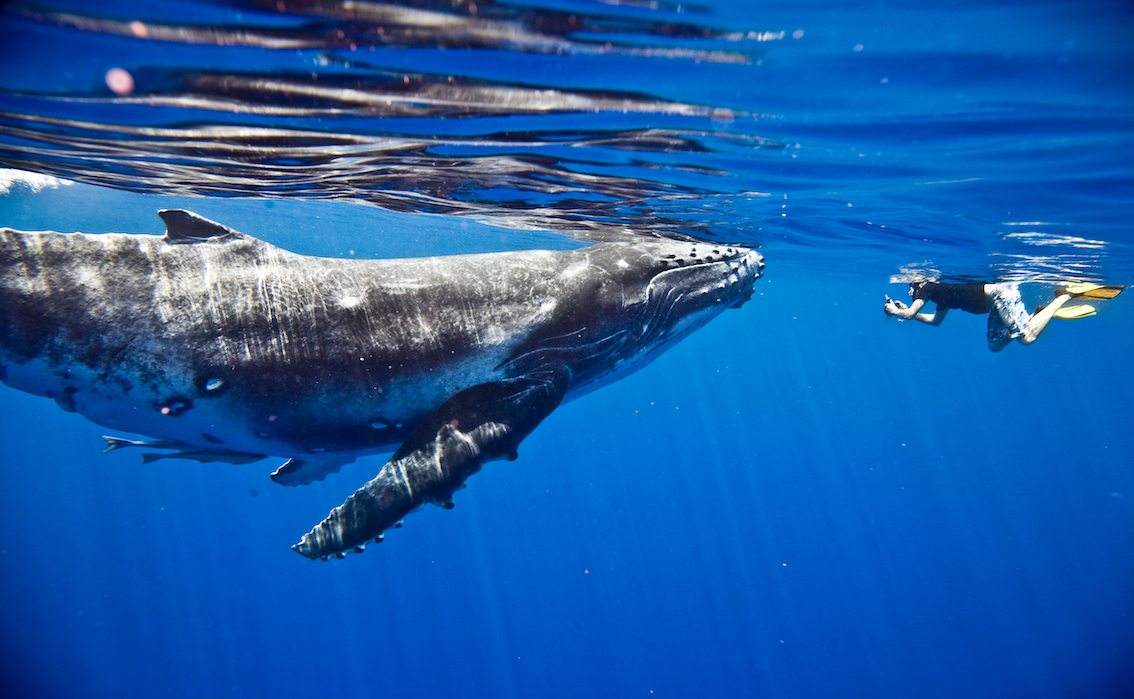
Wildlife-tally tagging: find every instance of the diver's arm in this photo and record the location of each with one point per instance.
(904, 312)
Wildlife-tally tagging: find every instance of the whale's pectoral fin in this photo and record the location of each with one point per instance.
(480, 424)
(304, 471)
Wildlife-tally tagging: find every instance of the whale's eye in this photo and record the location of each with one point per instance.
(634, 306)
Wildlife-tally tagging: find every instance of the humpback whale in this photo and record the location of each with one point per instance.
(226, 348)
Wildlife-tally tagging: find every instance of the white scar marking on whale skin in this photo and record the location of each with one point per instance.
(428, 336)
(402, 287)
(575, 269)
(623, 264)
(269, 282)
(90, 279)
(401, 472)
(24, 281)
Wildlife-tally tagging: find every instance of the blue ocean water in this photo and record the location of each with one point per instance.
(802, 499)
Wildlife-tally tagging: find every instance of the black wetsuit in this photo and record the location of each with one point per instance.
(967, 297)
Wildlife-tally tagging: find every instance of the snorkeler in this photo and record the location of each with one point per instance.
(1008, 319)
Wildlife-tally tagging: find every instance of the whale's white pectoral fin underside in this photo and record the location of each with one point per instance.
(484, 423)
(304, 471)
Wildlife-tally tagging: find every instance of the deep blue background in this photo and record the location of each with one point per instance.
(801, 500)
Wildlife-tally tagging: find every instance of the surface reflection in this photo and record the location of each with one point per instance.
(406, 140)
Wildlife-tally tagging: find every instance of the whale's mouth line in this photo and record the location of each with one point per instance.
(572, 354)
(656, 323)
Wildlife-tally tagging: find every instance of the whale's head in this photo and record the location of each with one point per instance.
(632, 301)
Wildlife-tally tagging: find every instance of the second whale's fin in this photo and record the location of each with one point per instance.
(304, 471)
(206, 457)
(183, 226)
(484, 423)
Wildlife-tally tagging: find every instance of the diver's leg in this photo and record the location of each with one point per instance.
(1000, 333)
(1041, 318)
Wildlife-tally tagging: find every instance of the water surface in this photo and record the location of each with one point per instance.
(800, 500)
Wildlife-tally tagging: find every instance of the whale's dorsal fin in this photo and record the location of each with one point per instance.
(183, 226)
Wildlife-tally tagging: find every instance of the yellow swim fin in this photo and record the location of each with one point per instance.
(1073, 312)
(1090, 291)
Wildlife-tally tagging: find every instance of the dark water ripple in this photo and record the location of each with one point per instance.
(340, 125)
(994, 156)
(344, 24)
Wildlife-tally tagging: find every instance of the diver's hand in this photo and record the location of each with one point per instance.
(892, 306)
